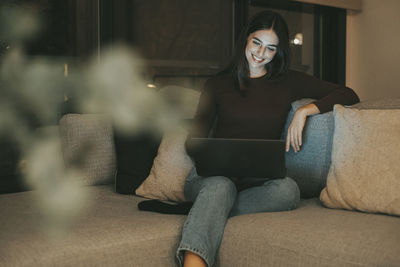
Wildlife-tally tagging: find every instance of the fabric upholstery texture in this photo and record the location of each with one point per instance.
(170, 169)
(310, 166)
(87, 144)
(365, 170)
(172, 165)
(311, 236)
(385, 103)
(113, 232)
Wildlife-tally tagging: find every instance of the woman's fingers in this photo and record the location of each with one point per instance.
(299, 138)
(292, 140)
(295, 131)
(288, 141)
(294, 134)
(296, 140)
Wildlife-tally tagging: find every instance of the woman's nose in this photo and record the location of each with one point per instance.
(261, 50)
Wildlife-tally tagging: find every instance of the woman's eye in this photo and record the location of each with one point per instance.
(272, 49)
(256, 42)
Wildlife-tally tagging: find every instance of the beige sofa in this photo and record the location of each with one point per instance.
(113, 232)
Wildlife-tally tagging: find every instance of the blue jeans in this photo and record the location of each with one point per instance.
(216, 199)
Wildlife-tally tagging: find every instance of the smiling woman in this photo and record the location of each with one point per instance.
(251, 100)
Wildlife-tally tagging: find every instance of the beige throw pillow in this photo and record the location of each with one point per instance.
(170, 169)
(365, 169)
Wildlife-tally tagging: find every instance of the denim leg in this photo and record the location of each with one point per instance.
(273, 195)
(204, 227)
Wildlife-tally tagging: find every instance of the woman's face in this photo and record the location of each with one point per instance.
(260, 50)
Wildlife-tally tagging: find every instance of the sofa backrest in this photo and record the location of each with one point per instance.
(87, 142)
(92, 136)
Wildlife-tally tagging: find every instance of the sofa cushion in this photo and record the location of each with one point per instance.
(384, 103)
(365, 174)
(170, 169)
(311, 236)
(172, 164)
(309, 167)
(87, 144)
(113, 232)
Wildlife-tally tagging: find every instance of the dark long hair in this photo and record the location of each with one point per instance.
(239, 67)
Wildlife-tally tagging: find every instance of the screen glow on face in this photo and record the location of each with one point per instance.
(261, 48)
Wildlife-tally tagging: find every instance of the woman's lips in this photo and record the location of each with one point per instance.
(257, 59)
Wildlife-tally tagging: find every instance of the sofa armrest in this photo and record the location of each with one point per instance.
(310, 166)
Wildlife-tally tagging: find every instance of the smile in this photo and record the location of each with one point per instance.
(257, 59)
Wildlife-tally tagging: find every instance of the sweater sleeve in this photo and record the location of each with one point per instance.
(206, 111)
(326, 94)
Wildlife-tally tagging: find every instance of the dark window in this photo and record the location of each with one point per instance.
(68, 28)
(175, 37)
(185, 37)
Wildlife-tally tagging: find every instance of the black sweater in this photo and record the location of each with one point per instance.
(261, 113)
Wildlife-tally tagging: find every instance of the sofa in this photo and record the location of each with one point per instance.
(112, 231)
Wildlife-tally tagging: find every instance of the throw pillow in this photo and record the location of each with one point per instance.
(365, 170)
(170, 169)
(383, 103)
(87, 144)
(172, 164)
(135, 153)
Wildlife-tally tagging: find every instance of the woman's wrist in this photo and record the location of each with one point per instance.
(309, 109)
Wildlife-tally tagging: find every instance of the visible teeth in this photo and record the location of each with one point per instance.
(257, 59)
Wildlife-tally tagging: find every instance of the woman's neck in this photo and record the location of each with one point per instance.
(258, 74)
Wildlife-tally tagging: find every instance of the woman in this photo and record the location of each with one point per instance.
(251, 100)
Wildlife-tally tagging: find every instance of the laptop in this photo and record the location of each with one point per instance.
(240, 158)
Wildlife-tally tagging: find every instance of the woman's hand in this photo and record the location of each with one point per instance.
(295, 131)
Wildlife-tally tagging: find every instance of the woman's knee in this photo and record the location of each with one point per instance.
(216, 187)
(288, 191)
(219, 184)
(219, 190)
